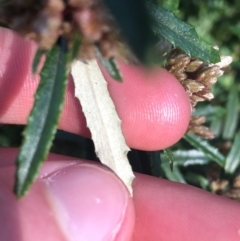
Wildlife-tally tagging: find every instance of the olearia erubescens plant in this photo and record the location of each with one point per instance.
(76, 32)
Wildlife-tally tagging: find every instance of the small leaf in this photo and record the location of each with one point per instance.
(181, 35)
(197, 180)
(38, 55)
(170, 5)
(232, 114)
(189, 157)
(233, 158)
(174, 175)
(110, 65)
(74, 48)
(216, 126)
(133, 21)
(169, 156)
(102, 119)
(43, 119)
(206, 148)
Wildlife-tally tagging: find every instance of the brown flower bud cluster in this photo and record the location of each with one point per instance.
(45, 20)
(223, 188)
(196, 127)
(196, 78)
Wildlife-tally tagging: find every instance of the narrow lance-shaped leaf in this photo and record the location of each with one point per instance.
(181, 35)
(188, 157)
(174, 175)
(233, 158)
(102, 119)
(232, 116)
(206, 148)
(170, 5)
(43, 119)
(110, 65)
(75, 46)
(37, 58)
(169, 156)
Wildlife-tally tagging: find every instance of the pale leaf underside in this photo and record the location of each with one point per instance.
(102, 119)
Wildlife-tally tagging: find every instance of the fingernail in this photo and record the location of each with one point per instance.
(88, 201)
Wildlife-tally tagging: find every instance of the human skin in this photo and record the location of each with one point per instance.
(80, 200)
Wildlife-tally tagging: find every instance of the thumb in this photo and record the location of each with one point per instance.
(71, 200)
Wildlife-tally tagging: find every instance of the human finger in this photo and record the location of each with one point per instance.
(70, 200)
(174, 212)
(153, 106)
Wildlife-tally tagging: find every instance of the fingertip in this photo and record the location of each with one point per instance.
(69, 200)
(153, 106)
(173, 211)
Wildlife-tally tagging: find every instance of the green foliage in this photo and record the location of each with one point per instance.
(215, 21)
(232, 114)
(206, 148)
(173, 175)
(110, 65)
(43, 119)
(74, 49)
(170, 5)
(36, 60)
(233, 158)
(188, 157)
(181, 35)
(169, 156)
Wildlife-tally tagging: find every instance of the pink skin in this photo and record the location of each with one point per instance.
(76, 198)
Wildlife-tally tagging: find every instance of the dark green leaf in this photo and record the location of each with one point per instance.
(216, 125)
(43, 119)
(206, 148)
(187, 158)
(174, 175)
(169, 156)
(197, 180)
(181, 35)
(110, 65)
(233, 158)
(170, 5)
(36, 60)
(74, 49)
(209, 110)
(231, 120)
(133, 21)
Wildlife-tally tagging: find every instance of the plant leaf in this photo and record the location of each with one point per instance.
(170, 5)
(233, 158)
(206, 148)
(102, 119)
(197, 180)
(38, 55)
(43, 119)
(232, 108)
(187, 158)
(181, 35)
(110, 65)
(133, 21)
(174, 175)
(169, 156)
(75, 46)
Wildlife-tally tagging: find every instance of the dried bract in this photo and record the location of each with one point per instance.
(196, 78)
(44, 21)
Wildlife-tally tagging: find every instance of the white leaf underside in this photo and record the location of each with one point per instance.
(102, 119)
